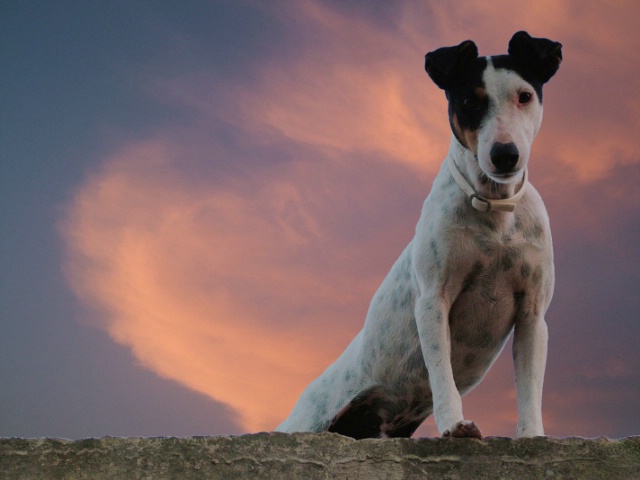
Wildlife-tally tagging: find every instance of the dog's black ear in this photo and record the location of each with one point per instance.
(447, 65)
(541, 57)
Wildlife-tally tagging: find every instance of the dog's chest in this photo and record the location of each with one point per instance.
(494, 277)
(488, 275)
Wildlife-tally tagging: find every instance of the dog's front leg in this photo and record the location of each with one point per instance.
(432, 317)
(530, 358)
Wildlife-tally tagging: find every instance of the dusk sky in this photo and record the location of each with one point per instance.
(199, 198)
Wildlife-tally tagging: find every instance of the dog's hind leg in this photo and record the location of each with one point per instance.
(376, 413)
(362, 417)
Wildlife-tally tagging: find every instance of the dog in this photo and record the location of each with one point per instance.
(479, 267)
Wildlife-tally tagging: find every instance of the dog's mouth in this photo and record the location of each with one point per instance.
(497, 176)
(503, 177)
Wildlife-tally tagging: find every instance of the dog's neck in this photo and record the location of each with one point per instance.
(484, 193)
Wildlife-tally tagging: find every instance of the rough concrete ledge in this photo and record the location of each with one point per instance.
(318, 456)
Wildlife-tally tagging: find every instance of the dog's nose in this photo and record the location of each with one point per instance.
(504, 156)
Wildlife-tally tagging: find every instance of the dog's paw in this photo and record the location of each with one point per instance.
(463, 429)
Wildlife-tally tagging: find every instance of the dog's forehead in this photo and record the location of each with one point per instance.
(506, 63)
(500, 83)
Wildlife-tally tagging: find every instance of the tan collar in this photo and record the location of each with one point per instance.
(485, 204)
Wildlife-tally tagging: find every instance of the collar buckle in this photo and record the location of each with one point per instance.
(484, 204)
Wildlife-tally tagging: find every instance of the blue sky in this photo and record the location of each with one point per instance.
(198, 200)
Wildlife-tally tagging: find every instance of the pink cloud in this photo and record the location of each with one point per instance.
(197, 282)
(234, 291)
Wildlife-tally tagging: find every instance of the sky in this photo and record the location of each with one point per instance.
(198, 200)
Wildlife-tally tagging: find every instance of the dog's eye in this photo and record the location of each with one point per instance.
(471, 102)
(525, 97)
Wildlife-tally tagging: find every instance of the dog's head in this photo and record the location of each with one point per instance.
(495, 103)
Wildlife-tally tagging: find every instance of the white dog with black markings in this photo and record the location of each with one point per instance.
(479, 267)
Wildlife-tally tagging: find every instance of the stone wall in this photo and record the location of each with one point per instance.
(318, 456)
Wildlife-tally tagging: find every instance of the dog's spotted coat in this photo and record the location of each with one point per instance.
(467, 279)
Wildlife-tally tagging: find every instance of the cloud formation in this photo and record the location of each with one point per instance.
(239, 291)
(237, 255)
